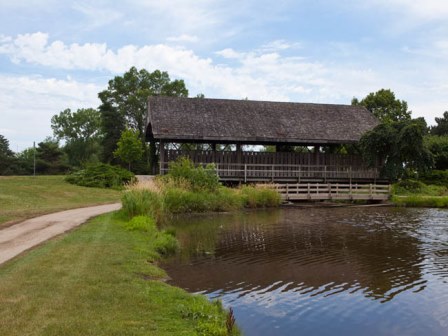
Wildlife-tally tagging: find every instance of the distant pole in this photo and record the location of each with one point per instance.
(34, 158)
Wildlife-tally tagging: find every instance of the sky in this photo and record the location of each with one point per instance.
(59, 54)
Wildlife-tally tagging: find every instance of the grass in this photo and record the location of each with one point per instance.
(419, 194)
(102, 279)
(421, 201)
(24, 197)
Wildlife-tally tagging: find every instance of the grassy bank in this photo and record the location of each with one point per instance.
(102, 279)
(23, 197)
(412, 193)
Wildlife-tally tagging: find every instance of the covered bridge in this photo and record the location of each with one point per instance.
(223, 128)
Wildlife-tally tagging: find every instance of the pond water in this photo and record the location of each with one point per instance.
(321, 271)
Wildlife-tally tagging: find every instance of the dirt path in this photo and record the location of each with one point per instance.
(27, 234)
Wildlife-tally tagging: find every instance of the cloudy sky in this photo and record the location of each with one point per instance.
(59, 54)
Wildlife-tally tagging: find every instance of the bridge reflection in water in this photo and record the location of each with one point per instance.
(325, 271)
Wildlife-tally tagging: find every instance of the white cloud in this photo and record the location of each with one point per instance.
(183, 38)
(28, 103)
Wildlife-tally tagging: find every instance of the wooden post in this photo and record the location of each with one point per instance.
(239, 159)
(213, 147)
(162, 157)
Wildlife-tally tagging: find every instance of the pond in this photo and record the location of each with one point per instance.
(320, 271)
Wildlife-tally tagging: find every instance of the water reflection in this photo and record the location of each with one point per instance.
(312, 268)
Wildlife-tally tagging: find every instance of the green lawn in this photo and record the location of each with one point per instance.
(99, 280)
(24, 197)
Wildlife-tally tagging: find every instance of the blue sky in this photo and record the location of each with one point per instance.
(60, 54)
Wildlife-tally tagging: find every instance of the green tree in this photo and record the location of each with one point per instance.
(127, 97)
(438, 146)
(113, 124)
(7, 158)
(50, 158)
(385, 106)
(81, 131)
(129, 147)
(398, 147)
(442, 125)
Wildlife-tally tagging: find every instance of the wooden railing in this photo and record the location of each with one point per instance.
(279, 172)
(329, 191)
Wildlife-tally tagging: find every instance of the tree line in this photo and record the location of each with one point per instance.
(114, 133)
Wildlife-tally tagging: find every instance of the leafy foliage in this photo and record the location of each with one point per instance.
(385, 106)
(436, 177)
(50, 158)
(438, 146)
(129, 147)
(81, 132)
(126, 98)
(442, 125)
(398, 147)
(101, 175)
(6, 157)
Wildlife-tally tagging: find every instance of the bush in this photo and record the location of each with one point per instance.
(199, 178)
(101, 175)
(143, 202)
(436, 177)
(412, 186)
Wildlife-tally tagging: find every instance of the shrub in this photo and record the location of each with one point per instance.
(143, 202)
(101, 175)
(199, 178)
(413, 186)
(436, 177)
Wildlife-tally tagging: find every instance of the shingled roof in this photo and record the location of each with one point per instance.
(260, 122)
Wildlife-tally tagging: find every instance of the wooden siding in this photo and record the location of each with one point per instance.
(278, 167)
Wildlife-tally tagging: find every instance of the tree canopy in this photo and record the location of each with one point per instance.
(383, 105)
(442, 125)
(81, 131)
(399, 147)
(6, 156)
(126, 101)
(129, 147)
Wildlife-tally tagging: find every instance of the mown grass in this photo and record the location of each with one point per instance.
(24, 197)
(102, 279)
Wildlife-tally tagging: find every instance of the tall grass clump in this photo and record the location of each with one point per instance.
(199, 178)
(260, 197)
(143, 202)
(190, 189)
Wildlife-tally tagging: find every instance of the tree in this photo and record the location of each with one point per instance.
(399, 147)
(112, 125)
(7, 158)
(50, 158)
(82, 132)
(442, 125)
(438, 146)
(127, 97)
(383, 105)
(129, 147)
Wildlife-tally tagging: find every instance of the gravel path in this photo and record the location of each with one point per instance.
(27, 234)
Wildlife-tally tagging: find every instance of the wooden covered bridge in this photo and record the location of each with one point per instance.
(229, 133)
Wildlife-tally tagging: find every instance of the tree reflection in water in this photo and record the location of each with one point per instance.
(315, 254)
